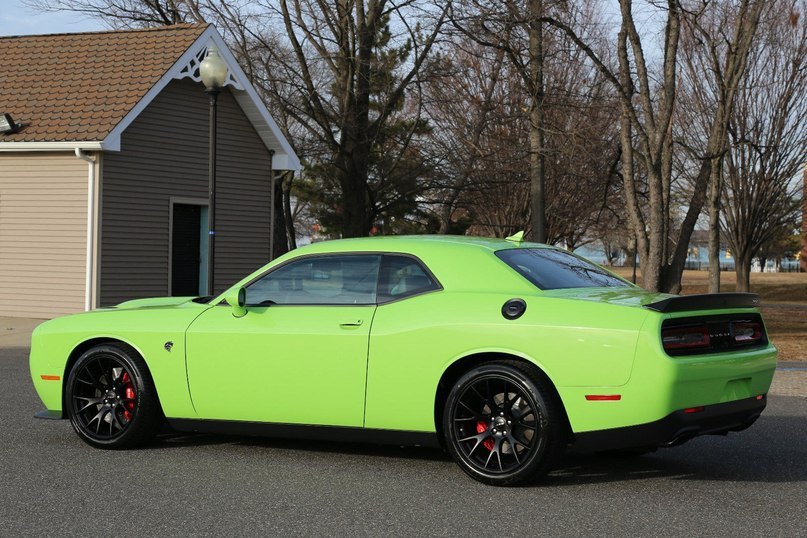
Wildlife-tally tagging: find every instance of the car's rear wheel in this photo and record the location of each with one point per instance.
(110, 398)
(503, 424)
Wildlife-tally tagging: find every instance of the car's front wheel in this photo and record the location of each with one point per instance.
(502, 423)
(110, 398)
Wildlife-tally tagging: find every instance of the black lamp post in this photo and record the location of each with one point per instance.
(213, 71)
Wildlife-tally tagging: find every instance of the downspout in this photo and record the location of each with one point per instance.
(271, 205)
(90, 225)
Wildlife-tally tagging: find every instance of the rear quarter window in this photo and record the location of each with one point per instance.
(403, 276)
(553, 269)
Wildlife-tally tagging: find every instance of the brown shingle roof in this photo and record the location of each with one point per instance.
(77, 87)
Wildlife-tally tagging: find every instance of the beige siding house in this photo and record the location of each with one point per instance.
(104, 186)
(43, 231)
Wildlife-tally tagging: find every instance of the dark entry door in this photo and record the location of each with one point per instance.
(185, 250)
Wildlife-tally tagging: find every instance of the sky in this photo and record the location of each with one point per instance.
(18, 19)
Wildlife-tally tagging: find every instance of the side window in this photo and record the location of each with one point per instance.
(337, 280)
(402, 276)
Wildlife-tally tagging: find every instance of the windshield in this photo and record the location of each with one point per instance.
(553, 269)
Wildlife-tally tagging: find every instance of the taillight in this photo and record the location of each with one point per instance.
(712, 334)
(692, 337)
(746, 332)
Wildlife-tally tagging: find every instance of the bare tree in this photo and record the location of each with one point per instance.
(343, 73)
(128, 13)
(647, 126)
(581, 144)
(516, 27)
(768, 140)
(480, 119)
(562, 94)
(479, 139)
(462, 102)
(716, 42)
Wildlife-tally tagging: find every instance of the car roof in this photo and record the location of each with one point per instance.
(458, 262)
(406, 243)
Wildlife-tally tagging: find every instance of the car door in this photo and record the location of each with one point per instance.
(412, 330)
(299, 355)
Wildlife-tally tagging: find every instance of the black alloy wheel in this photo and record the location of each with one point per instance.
(502, 423)
(110, 398)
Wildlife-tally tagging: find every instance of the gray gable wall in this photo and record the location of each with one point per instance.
(164, 154)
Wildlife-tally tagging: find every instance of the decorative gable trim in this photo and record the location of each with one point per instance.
(191, 70)
(245, 95)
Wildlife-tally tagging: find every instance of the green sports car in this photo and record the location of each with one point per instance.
(504, 352)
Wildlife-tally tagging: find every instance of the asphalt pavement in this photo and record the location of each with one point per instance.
(51, 483)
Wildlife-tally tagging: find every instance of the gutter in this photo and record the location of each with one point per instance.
(51, 146)
(271, 205)
(90, 224)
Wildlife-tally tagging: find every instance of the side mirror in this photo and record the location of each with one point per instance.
(237, 298)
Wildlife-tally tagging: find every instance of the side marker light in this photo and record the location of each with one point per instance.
(603, 397)
(50, 377)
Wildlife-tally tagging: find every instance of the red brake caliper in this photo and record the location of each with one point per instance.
(481, 427)
(129, 394)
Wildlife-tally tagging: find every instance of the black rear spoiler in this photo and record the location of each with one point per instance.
(706, 301)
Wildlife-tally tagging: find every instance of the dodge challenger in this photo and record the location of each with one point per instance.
(503, 352)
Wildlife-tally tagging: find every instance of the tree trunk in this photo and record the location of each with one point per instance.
(671, 283)
(445, 221)
(537, 167)
(742, 268)
(355, 210)
(635, 217)
(287, 213)
(355, 219)
(355, 142)
(281, 245)
(715, 188)
(652, 268)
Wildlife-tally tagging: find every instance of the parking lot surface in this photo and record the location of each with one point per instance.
(749, 483)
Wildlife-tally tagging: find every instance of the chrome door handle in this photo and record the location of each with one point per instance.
(348, 324)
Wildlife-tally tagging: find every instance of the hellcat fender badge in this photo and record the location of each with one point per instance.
(168, 345)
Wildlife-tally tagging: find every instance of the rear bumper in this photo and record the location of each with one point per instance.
(677, 427)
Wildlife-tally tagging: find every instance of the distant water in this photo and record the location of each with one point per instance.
(698, 259)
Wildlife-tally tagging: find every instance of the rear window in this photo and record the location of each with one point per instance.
(552, 269)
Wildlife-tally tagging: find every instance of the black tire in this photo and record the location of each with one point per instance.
(110, 398)
(503, 423)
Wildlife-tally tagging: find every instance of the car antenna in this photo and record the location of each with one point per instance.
(517, 237)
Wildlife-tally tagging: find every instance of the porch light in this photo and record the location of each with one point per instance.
(213, 70)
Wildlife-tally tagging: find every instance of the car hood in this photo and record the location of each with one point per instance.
(617, 296)
(153, 302)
